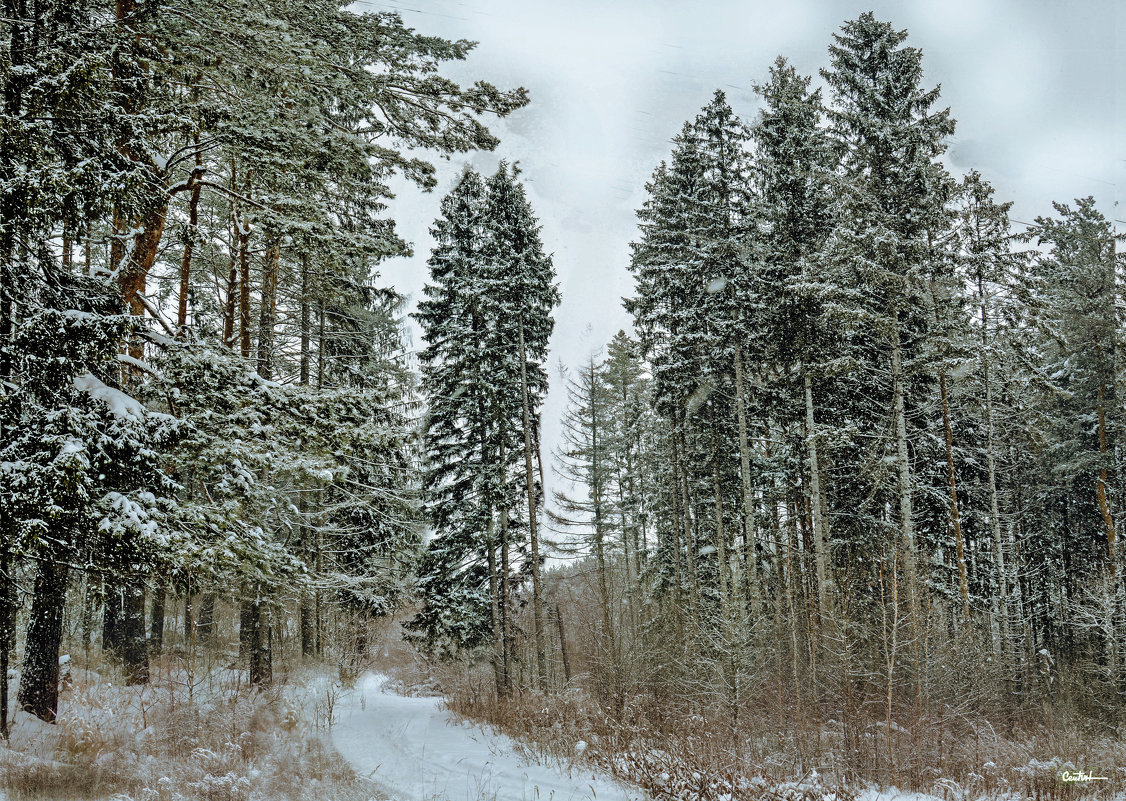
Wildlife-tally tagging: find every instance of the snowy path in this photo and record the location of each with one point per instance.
(414, 751)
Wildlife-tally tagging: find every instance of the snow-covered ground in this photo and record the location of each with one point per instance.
(415, 751)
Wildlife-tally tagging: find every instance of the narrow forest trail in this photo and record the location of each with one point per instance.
(414, 750)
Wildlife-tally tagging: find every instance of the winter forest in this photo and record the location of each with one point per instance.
(834, 517)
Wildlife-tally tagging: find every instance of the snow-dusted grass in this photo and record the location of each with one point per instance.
(692, 758)
(220, 742)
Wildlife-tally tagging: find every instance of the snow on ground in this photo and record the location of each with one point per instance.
(414, 750)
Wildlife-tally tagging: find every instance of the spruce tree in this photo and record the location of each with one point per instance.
(891, 195)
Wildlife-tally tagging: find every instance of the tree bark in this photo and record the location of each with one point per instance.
(903, 466)
(305, 324)
(190, 234)
(253, 636)
(156, 619)
(244, 287)
(1101, 485)
(206, 624)
(599, 535)
(7, 625)
(39, 679)
(537, 596)
(134, 648)
(818, 506)
(267, 316)
(955, 516)
(113, 615)
(563, 646)
(749, 546)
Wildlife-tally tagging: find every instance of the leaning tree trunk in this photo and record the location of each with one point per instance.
(39, 680)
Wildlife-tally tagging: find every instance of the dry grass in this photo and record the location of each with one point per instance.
(697, 756)
(220, 742)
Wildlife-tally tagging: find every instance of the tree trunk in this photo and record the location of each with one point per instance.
(818, 505)
(206, 623)
(720, 536)
(506, 623)
(134, 648)
(955, 516)
(563, 646)
(599, 535)
(749, 547)
(268, 311)
(253, 637)
(7, 624)
(232, 276)
(1101, 485)
(190, 234)
(39, 679)
(903, 466)
(113, 615)
(156, 618)
(244, 287)
(305, 324)
(494, 605)
(991, 466)
(537, 596)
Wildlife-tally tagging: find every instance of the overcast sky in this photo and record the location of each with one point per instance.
(1038, 89)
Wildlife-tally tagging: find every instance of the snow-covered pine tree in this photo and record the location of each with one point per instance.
(784, 289)
(891, 194)
(490, 278)
(692, 229)
(527, 293)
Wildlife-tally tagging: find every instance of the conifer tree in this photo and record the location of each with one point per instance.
(891, 195)
(489, 276)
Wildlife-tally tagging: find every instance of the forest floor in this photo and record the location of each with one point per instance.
(308, 738)
(412, 748)
(209, 738)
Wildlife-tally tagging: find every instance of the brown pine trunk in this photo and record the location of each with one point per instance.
(244, 287)
(189, 241)
(268, 311)
(305, 324)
